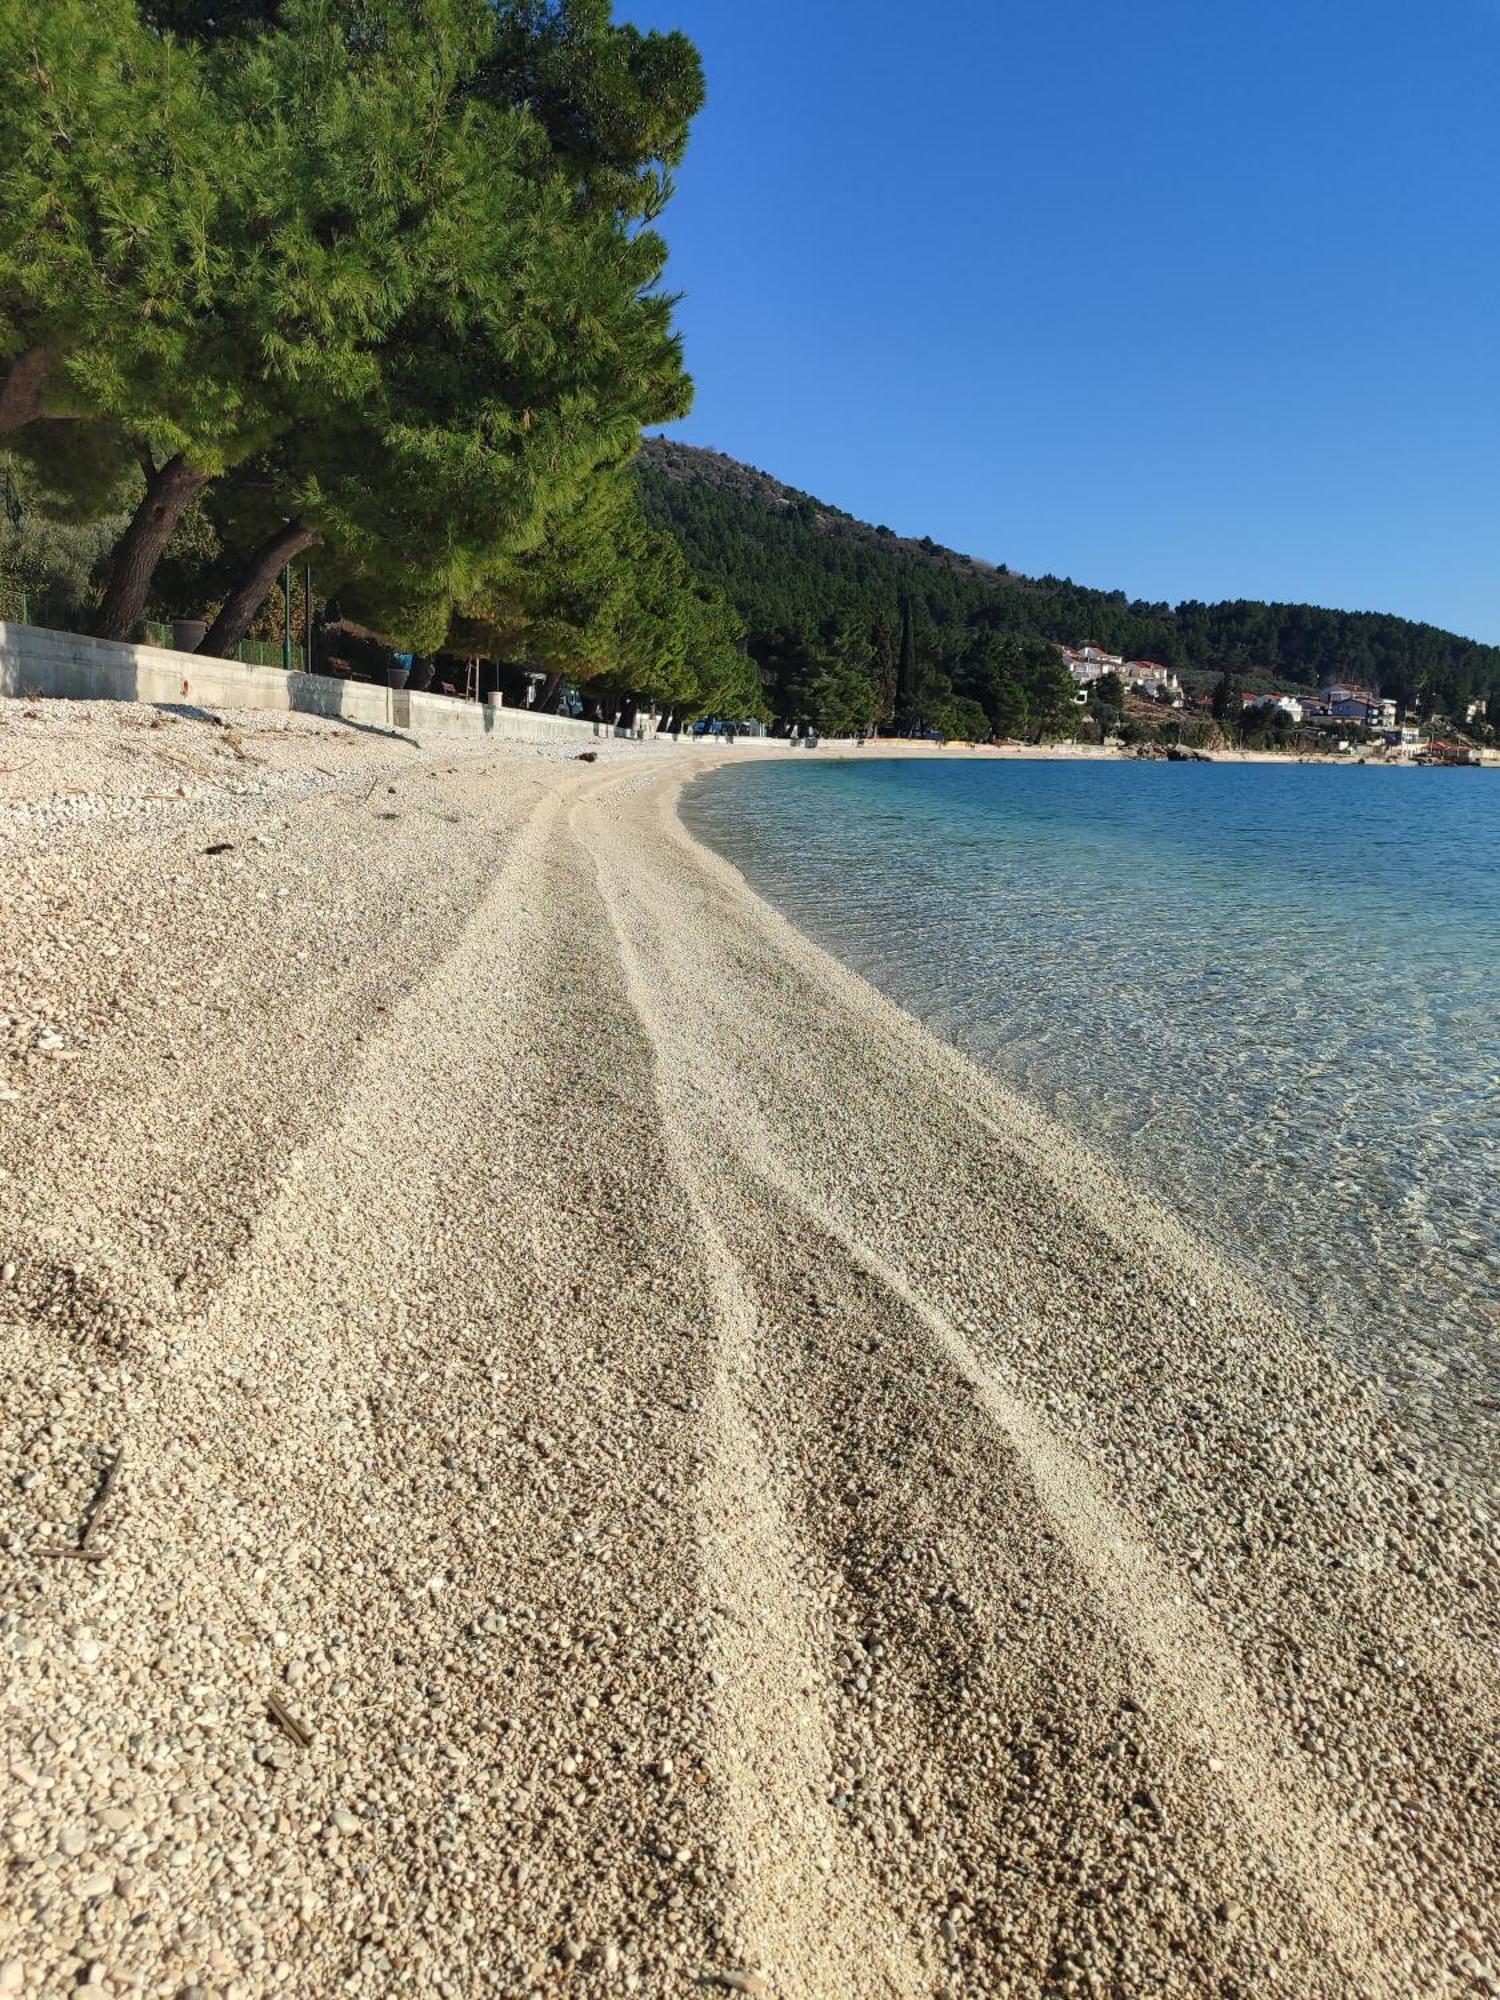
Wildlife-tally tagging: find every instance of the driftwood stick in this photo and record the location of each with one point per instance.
(102, 1498)
(83, 1550)
(282, 1716)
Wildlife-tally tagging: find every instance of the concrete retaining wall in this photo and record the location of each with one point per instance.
(69, 666)
(522, 725)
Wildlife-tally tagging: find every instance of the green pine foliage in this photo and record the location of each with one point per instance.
(382, 279)
(964, 720)
(378, 278)
(108, 207)
(607, 600)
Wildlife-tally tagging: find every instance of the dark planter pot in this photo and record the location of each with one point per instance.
(395, 677)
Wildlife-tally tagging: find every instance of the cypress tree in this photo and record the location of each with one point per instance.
(883, 669)
(906, 671)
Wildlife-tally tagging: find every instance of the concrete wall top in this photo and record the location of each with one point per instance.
(71, 666)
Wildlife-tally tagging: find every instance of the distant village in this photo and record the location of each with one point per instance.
(1338, 708)
(1142, 677)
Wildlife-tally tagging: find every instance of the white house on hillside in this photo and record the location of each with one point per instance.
(1284, 704)
(1090, 663)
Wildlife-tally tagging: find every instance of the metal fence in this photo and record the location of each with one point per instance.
(250, 652)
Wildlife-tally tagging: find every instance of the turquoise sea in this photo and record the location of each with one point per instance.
(1272, 995)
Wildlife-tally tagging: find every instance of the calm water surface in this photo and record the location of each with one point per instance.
(1271, 994)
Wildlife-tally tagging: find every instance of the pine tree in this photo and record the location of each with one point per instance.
(531, 343)
(318, 132)
(107, 221)
(607, 600)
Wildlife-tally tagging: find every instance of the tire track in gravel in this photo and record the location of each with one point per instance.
(589, 1670)
(1225, 1384)
(1192, 1684)
(426, 1458)
(809, 1912)
(1197, 1686)
(196, 1042)
(1002, 1750)
(256, 1429)
(702, 1521)
(807, 1909)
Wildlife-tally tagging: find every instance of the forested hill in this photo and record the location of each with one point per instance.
(792, 565)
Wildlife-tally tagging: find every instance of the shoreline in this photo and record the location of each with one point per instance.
(728, 1485)
(849, 902)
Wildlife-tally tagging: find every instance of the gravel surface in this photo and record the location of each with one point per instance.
(719, 1494)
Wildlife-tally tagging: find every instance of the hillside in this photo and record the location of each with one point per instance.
(795, 567)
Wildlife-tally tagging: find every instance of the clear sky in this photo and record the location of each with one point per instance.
(1190, 298)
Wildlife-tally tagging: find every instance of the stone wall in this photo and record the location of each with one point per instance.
(70, 666)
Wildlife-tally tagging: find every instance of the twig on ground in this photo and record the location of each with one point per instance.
(282, 1716)
(236, 743)
(84, 1551)
(103, 1497)
(364, 798)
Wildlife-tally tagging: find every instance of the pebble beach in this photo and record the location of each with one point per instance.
(555, 1441)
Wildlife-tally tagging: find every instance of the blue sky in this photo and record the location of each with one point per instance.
(1181, 298)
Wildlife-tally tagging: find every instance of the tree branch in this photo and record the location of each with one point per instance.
(25, 381)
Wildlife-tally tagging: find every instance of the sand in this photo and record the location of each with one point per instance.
(733, 1496)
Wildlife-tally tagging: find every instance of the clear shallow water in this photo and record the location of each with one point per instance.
(1272, 995)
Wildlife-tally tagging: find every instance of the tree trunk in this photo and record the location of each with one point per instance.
(254, 587)
(21, 395)
(546, 701)
(170, 491)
